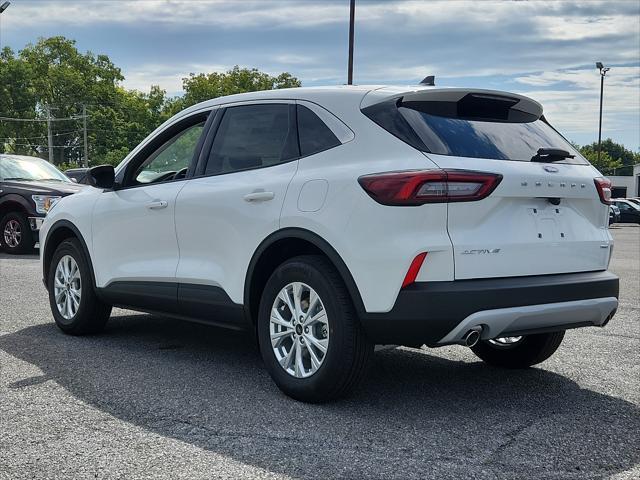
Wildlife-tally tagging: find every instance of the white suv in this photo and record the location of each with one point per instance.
(328, 220)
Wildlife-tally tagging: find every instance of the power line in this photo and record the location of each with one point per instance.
(40, 136)
(44, 146)
(53, 119)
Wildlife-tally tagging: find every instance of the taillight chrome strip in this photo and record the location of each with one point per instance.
(418, 187)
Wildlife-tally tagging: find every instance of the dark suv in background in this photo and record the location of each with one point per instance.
(29, 187)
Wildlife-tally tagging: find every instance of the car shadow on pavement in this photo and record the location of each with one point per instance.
(416, 415)
(26, 256)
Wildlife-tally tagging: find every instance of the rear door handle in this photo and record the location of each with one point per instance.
(157, 205)
(259, 196)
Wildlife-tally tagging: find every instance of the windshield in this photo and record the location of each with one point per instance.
(29, 169)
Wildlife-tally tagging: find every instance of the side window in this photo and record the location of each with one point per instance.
(171, 160)
(313, 133)
(252, 136)
(623, 206)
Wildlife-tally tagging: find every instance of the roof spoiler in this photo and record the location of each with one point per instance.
(462, 102)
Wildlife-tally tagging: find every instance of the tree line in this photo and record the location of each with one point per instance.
(52, 78)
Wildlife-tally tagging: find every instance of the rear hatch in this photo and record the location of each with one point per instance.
(546, 215)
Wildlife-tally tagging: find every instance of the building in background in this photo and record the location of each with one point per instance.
(626, 186)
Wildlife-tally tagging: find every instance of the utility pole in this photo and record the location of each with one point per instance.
(49, 135)
(352, 17)
(3, 7)
(86, 144)
(603, 72)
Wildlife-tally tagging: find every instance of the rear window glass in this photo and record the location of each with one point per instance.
(462, 137)
(314, 134)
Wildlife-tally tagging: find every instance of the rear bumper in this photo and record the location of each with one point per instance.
(441, 313)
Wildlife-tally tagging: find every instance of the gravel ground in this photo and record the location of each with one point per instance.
(157, 398)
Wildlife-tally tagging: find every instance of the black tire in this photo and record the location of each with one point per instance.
(531, 350)
(26, 242)
(91, 314)
(348, 352)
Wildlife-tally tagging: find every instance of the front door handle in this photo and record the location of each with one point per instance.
(259, 196)
(157, 205)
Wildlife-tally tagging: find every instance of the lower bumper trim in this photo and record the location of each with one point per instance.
(429, 312)
(535, 318)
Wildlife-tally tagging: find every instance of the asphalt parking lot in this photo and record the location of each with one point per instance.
(157, 398)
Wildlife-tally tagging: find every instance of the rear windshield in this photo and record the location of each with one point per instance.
(468, 137)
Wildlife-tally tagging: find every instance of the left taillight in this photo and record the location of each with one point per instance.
(418, 187)
(603, 185)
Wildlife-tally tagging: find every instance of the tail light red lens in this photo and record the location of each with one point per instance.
(603, 185)
(417, 187)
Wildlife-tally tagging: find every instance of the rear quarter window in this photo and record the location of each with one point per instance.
(314, 135)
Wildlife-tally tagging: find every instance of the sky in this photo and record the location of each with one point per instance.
(544, 49)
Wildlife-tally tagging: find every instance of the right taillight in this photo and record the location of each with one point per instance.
(603, 185)
(417, 187)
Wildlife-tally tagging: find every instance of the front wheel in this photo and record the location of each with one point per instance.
(310, 338)
(518, 352)
(16, 233)
(74, 304)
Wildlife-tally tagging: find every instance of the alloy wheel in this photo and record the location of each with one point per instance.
(12, 233)
(67, 287)
(299, 330)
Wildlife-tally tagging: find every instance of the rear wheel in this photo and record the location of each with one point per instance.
(16, 233)
(518, 352)
(74, 304)
(310, 337)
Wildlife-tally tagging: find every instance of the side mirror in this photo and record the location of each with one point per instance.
(74, 180)
(102, 176)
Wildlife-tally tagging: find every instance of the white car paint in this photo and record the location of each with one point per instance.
(208, 231)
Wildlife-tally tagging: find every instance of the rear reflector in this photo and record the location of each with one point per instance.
(417, 187)
(603, 185)
(414, 269)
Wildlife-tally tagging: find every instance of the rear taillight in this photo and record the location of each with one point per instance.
(417, 187)
(603, 185)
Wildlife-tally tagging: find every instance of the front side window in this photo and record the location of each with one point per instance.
(252, 136)
(172, 159)
(314, 135)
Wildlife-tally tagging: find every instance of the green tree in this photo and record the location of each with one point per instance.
(606, 165)
(201, 87)
(621, 159)
(53, 74)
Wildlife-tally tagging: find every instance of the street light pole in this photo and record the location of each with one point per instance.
(3, 7)
(603, 72)
(352, 17)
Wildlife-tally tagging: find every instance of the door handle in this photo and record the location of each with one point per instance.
(259, 196)
(157, 205)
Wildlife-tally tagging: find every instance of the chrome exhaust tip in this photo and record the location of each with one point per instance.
(472, 337)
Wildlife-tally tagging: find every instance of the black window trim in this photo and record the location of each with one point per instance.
(125, 174)
(203, 157)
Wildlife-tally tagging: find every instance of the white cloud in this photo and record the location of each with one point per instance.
(575, 107)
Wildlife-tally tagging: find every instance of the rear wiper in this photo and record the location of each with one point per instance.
(548, 155)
